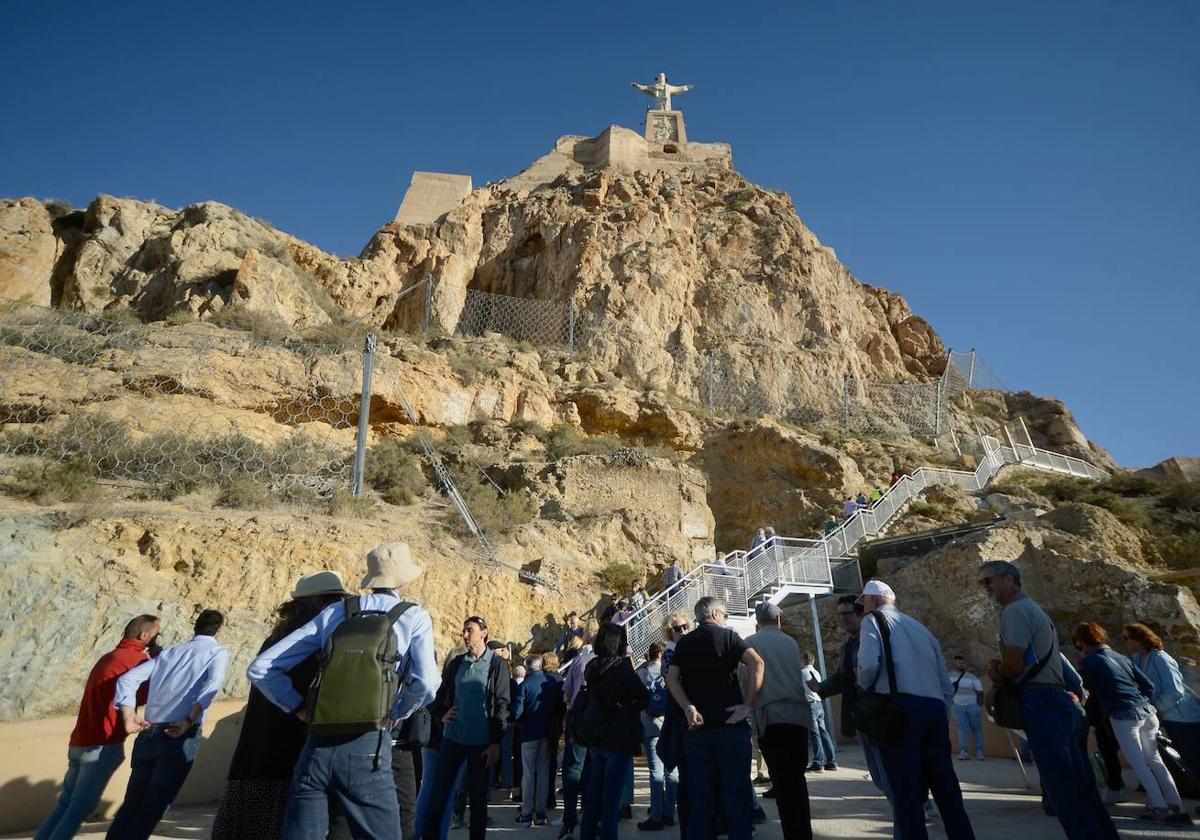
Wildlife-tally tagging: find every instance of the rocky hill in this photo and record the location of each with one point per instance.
(179, 416)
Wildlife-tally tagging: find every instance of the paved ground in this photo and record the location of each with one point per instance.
(844, 805)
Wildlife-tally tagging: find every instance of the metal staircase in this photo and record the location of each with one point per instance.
(790, 567)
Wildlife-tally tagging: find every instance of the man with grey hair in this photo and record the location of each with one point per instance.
(703, 679)
(537, 702)
(781, 718)
(917, 758)
(1055, 724)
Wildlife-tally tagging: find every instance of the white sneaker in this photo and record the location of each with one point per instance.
(979, 756)
(1112, 797)
(964, 755)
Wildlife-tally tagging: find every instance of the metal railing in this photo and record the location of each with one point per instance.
(780, 562)
(644, 626)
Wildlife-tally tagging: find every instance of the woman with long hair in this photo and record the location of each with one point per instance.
(1124, 694)
(260, 774)
(612, 683)
(1178, 708)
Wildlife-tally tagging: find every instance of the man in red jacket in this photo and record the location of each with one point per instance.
(97, 745)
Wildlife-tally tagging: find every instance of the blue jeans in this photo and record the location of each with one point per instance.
(818, 736)
(919, 761)
(344, 768)
(158, 767)
(879, 777)
(574, 760)
(425, 792)
(1054, 724)
(88, 772)
(663, 786)
(450, 761)
(602, 798)
(718, 762)
(970, 723)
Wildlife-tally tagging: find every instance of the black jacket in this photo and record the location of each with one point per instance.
(613, 683)
(497, 697)
(270, 739)
(844, 682)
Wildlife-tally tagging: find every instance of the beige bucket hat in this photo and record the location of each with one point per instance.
(390, 566)
(320, 583)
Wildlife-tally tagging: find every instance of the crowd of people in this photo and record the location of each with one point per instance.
(353, 730)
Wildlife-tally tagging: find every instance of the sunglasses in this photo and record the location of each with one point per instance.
(679, 628)
(475, 620)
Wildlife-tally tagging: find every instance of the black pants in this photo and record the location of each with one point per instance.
(404, 773)
(450, 758)
(785, 748)
(1106, 743)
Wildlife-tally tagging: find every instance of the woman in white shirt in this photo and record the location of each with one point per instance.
(968, 709)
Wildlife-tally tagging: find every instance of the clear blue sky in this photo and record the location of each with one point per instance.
(1026, 174)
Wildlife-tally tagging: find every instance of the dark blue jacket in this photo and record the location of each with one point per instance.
(1117, 683)
(538, 702)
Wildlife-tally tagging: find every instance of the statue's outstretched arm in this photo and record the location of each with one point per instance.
(679, 88)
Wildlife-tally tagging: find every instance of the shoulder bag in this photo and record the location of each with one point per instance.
(880, 716)
(1006, 699)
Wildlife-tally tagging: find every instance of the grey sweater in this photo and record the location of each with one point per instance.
(782, 697)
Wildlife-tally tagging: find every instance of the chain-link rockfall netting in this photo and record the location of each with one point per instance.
(968, 372)
(541, 322)
(177, 406)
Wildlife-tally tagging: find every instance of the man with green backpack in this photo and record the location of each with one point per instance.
(376, 668)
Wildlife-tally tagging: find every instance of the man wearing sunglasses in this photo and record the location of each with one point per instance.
(1054, 721)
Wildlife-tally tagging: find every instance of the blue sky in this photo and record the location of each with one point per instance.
(1026, 174)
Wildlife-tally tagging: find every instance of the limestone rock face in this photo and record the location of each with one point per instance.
(71, 587)
(763, 474)
(28, 249)
(1175, 469)
(692, 280)
(1074, 577)
(157, 261)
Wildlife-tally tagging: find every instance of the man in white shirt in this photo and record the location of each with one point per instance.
(968, 708)
(184, 680)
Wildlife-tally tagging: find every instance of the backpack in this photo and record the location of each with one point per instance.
(589, 723)
(356, 683)
(658, 697)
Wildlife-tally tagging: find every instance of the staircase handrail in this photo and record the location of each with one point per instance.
(782, 560)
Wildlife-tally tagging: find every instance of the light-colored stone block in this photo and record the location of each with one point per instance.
(665, 128)
(430, 196)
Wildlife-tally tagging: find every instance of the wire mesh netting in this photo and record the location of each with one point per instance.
(966, 371)
(542, 322)
(885, 408)
(176, 406)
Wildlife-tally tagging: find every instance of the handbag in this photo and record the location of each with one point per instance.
(1006, 699)
(880, 716)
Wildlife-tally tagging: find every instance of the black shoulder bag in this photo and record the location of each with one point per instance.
(880, 716)
(1006, 699)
